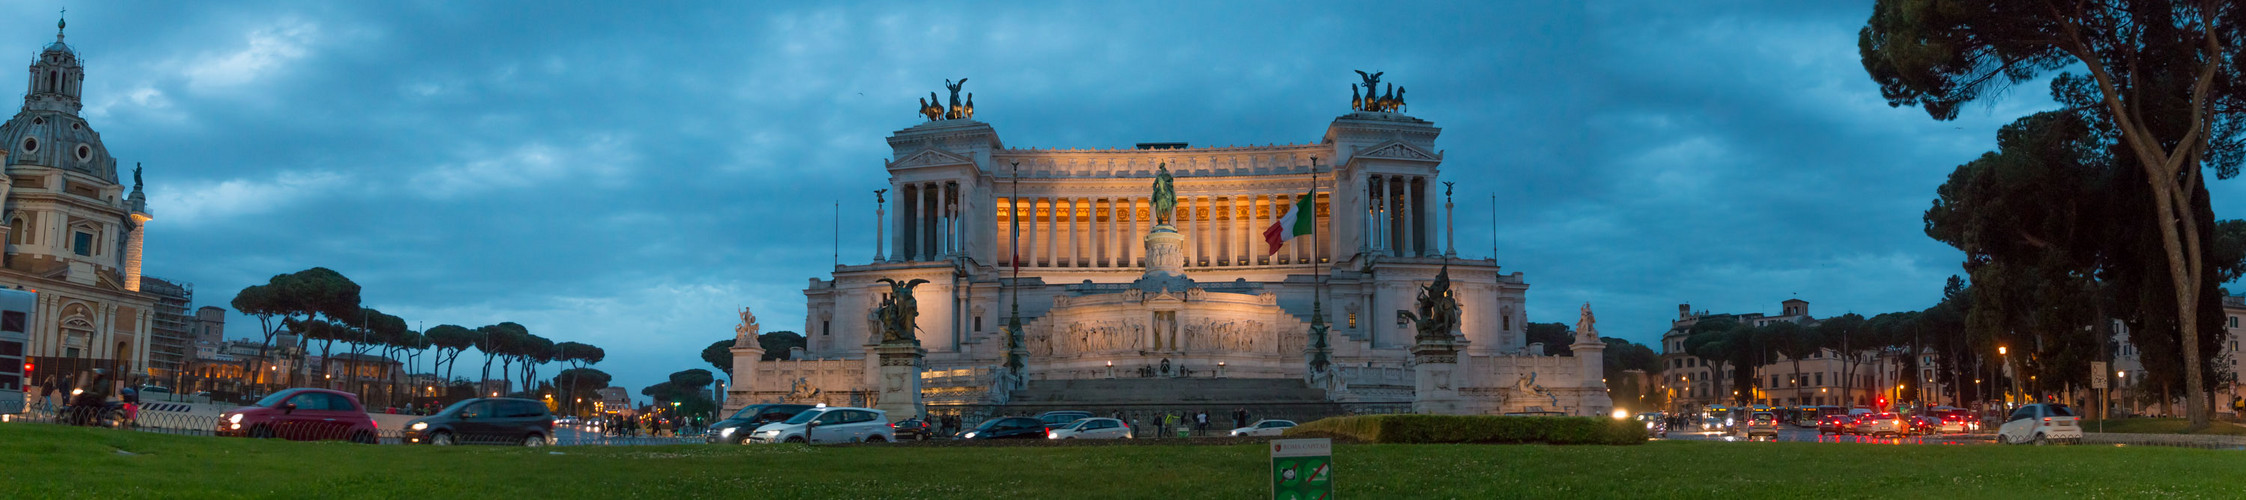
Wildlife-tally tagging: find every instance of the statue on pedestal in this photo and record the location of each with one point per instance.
(1584, 332)
(895, 316)
(1438, 309)
(745, 334)
(1165, 195)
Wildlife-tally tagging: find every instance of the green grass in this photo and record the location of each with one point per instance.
(55, 462)
(2161, 426)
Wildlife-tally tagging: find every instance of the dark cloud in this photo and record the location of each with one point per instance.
(627, 175)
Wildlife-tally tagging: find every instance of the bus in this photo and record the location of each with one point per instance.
(1716, 418)
(15, 339)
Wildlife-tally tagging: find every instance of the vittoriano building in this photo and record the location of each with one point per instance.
(1124, 304)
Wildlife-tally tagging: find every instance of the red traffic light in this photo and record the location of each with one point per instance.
(27, 367)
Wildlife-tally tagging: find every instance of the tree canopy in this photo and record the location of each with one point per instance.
(2159, 91)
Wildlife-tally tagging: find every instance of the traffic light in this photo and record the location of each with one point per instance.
(27, 367)
(1881, 401)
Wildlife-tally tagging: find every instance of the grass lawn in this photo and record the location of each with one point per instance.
(2162, 426)
(44, 461)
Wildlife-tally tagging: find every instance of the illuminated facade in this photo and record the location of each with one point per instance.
(73, 229)
(963, 210)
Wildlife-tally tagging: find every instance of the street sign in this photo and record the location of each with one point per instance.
(2097, 374)
(1302, 469)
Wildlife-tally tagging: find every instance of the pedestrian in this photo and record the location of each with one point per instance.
(1239, 417)
(1201, 423)
(1169, 421)
(47, 392)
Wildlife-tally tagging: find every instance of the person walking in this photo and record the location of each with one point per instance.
(1201, 423)
(47, 393)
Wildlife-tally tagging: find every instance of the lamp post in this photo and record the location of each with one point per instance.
(2005, 359)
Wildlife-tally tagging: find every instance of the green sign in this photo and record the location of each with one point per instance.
(1302, 469)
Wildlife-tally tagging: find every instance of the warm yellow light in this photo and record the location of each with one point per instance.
(2121, 374)
(1620, 414)
(2000, 350)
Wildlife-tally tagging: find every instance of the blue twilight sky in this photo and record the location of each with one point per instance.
(627, 174)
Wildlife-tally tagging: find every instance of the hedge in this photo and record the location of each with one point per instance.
(1484, 429)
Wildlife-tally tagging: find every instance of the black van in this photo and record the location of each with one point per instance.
(736, 429)
(512, 421)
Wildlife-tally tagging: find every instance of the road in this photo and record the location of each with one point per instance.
(1809, 435)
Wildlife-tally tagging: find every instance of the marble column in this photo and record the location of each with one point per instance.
(1363, 193)
(1052, 207)
(1131, 211)
(1185, 222)
(1450, 228)
(1410, 219)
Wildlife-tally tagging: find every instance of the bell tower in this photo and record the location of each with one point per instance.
(57, 78)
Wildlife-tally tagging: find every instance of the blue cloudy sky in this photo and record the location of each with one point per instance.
(627, 174)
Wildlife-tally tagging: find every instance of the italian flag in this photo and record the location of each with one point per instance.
(1301, 219)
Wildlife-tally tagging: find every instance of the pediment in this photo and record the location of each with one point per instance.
(931, 158)
(1399, 150)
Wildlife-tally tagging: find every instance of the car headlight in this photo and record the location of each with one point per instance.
(234, 419)
(75, 392)
(726, 432)
(968, 435)
(420, 425)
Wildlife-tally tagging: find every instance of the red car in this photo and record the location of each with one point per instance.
(301, 415)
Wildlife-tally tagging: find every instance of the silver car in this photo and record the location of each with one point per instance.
(1264, 428)
(1092, 428)
(829, 425)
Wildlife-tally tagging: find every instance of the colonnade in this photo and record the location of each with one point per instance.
(1108, 232)
(929, 226)
(1399, 219)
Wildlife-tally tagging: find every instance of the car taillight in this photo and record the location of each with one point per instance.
(2046, 421)
(892, 426)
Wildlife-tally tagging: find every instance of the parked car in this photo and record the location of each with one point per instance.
(1762, 423)
(509, 421)
(1007, 428)
(914, 429)
(1058, 419)
(1874, 424)
(302, 415)
(2040, 424)
(1092, 428)
(736, 428)
(1834, 424)
(829, 425)
(1264, 428)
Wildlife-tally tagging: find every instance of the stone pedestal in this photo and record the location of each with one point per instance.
(746, 355)
(1590, 352)
(1434, 364)
(900, 380)
(1165, 252)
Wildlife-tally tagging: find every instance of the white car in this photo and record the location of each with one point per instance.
(2040, 424)
(1091, 428)
(1264, 428)
(829, 425)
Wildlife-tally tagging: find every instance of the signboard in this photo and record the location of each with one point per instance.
(1302, 469)
(2097, 374)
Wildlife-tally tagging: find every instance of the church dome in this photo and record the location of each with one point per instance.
(59, 140)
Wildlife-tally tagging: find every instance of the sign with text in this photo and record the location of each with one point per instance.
(1302, 469)
(2098, 374)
